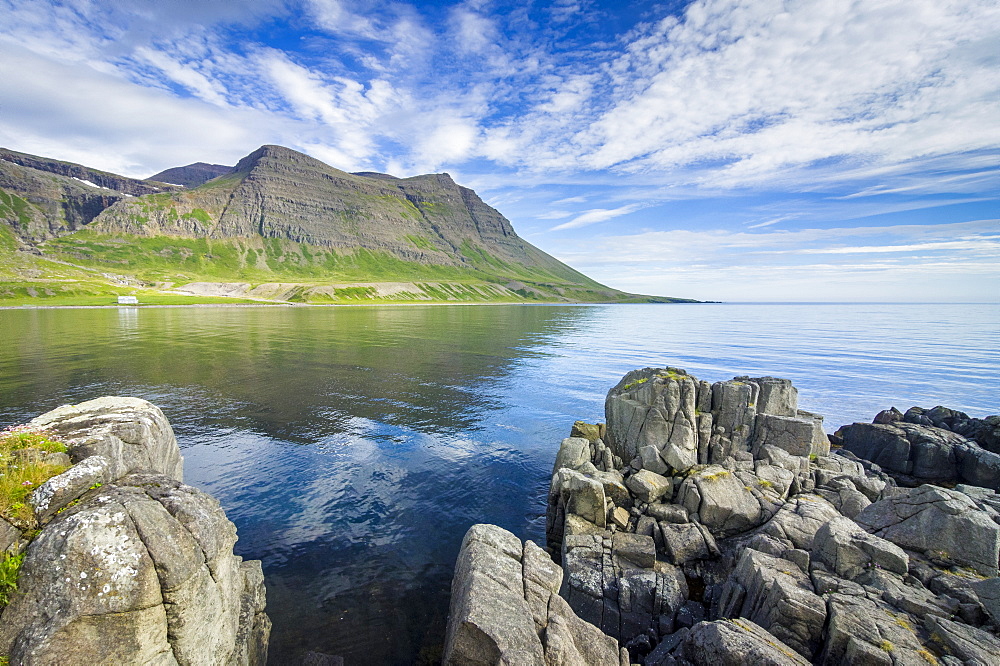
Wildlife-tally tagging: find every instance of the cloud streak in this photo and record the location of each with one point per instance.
(596, 215)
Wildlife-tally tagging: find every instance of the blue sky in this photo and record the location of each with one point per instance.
(740, 150)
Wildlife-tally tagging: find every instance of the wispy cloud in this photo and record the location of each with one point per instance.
(596, 215)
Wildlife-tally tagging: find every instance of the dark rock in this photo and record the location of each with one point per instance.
(887, 416)
(971, 645)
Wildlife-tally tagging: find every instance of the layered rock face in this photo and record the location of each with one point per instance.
(130, 565)
(707, 524)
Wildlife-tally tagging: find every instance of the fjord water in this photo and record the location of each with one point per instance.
(354, 446)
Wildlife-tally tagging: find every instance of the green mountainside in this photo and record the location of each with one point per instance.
(279, 226)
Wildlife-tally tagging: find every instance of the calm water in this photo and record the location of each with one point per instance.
(353, 447)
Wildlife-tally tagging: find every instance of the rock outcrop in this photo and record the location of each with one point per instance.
(732, 532)
(667, 421)
(130, 565)
(506, 608)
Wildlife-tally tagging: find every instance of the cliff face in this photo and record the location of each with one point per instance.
(129, 564)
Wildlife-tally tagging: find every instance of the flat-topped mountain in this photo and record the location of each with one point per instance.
(283, 218)
(191, 175)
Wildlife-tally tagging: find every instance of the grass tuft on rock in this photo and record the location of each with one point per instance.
(24, 467)
(10, 567)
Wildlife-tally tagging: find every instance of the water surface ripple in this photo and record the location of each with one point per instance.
(353, 447)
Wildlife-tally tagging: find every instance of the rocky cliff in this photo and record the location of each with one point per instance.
(714, 524)
(123, 563)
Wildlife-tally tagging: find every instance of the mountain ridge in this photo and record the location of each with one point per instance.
(280, 216)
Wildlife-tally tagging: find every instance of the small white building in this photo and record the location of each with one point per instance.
(128, 300)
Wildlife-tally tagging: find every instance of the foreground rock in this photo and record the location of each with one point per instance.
(506, 609)
(130, 564)
(715, 524)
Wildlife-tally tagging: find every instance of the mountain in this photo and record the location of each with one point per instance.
(191, 175)
(281, 225)
(42, 198)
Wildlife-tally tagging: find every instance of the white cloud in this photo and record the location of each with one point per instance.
(596, 215)
(207, 89)
(554, 215)
(78, 114)
(959, 261)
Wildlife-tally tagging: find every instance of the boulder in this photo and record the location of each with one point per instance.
(588, 431)
(971, 645)
(505, 608)
(655, 407)
(131, 433)
(988, 592)
(490, 621)
(866, 631)
(930, 519)
(799, 435)
(648, 486)
(573, 453)
(723, 503)
(681, 543)
(616, 584)
(849, 551)
(917, 453)
(146, 564)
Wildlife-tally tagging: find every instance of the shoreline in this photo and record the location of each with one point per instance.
(312, 305)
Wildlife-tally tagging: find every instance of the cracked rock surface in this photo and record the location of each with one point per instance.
(134, 567)
(731, 534)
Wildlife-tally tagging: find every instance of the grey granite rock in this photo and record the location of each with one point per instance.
(62, 489)
(133, 568)
(723, 502)
(490, 622)
(865, 631)
(648, 486)
(573, 453)
(971, 645)
(988, 591)
(775, 594)
(849, 551)
(146, 564)
(131, 433)
(735, 642)
(505, 608)
(932, 519)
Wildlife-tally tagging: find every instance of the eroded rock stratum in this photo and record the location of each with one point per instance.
(718, 524)
(130, 565)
